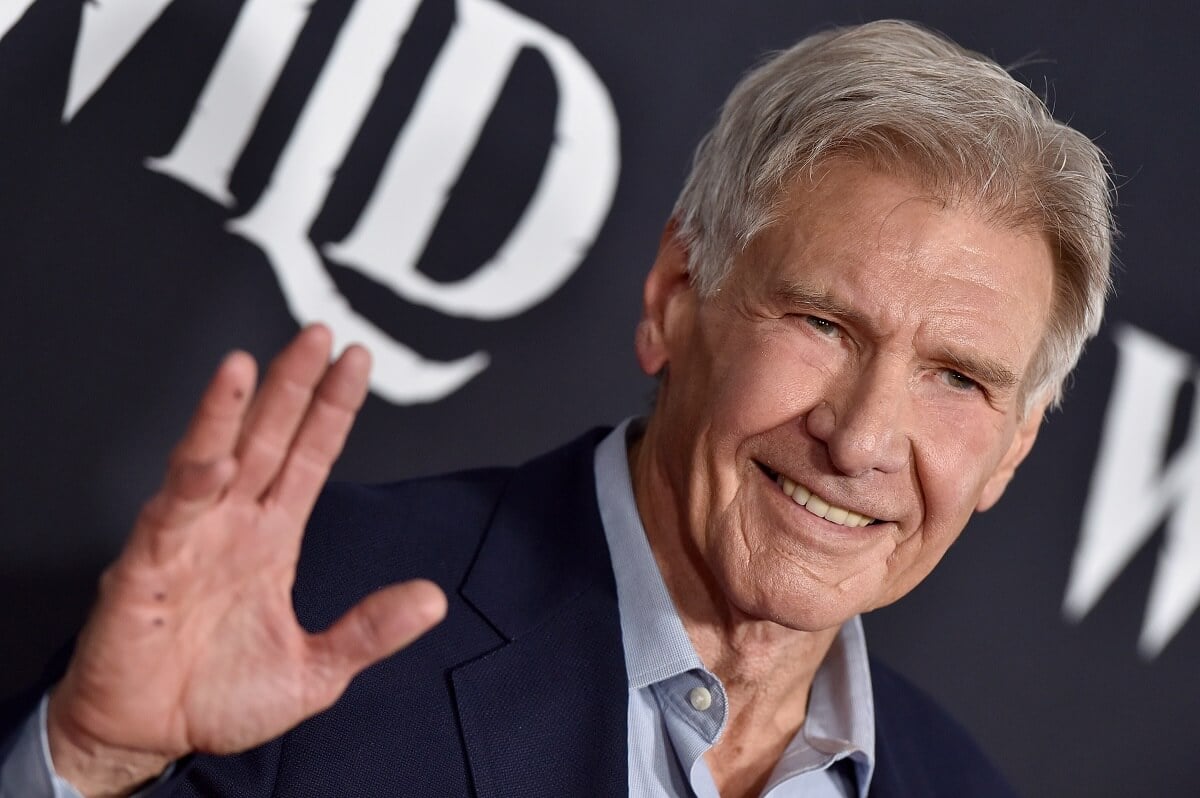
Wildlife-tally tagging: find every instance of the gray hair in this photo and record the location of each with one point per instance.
(895, 95)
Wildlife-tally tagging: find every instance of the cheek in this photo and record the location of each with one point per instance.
(775, 378)
(958, 455)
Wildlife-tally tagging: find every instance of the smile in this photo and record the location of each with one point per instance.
(819, 506)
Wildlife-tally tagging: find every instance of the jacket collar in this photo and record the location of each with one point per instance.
(543, 713)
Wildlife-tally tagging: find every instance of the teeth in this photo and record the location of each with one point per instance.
(819, 507)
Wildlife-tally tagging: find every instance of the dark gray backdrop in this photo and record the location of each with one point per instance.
(122, 288)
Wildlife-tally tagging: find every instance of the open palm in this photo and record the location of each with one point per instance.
(193, 644)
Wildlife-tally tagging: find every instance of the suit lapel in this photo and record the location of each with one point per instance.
(545, 712)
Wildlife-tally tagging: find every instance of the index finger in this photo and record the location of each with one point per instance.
(213, 429)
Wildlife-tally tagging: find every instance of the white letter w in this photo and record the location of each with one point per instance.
(1132, 489)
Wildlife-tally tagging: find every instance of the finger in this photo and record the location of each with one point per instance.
(214, 427)
(201, 465)
(379, 625)
(322, 433)
(190, 489)
(281, 402)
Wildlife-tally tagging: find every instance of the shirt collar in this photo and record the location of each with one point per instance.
(656, 645)
(841, 708)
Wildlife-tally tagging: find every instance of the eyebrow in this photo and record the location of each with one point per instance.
(986, 370)
(797, 295)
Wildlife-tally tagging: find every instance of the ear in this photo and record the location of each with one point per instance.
(666, 296)
(1022, 442)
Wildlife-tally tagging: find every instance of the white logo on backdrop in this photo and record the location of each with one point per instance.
(1133, 490)
(545, 247)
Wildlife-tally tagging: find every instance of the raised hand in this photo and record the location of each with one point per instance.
(193, 644)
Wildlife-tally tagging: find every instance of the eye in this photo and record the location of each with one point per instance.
(959, 381)
(823, 326)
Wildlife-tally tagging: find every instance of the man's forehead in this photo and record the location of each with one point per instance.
(805, 193)
(850, 210)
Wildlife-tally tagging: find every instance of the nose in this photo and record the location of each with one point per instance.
(863, 422)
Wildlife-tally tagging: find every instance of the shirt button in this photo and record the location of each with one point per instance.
(700, 698)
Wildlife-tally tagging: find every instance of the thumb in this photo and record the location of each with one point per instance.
(381, 624)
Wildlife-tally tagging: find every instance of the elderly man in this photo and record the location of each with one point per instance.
(884, 264)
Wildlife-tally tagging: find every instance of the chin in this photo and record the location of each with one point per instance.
(794, 603)
(814, 617)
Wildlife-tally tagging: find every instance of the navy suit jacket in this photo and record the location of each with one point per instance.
(522, 690)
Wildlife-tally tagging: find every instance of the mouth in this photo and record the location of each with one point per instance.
(815, 504)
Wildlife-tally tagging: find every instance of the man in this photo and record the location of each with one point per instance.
(884, 264)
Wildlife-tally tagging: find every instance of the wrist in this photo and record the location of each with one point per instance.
(96, 769)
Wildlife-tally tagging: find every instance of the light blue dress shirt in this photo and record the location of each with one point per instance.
(677, 707)
(26, 772)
